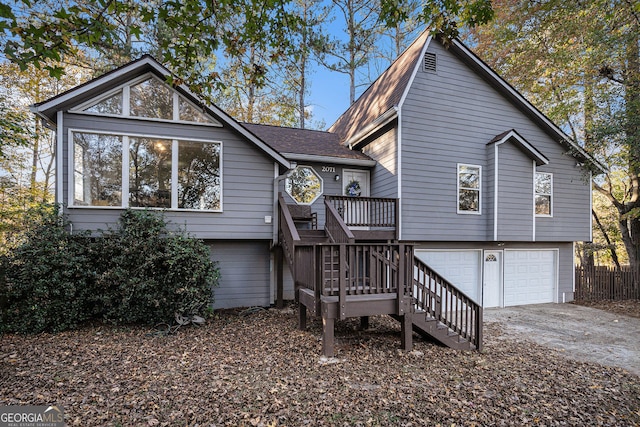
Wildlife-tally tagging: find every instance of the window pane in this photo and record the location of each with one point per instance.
(469, 200)
(543, 205)
(199, 175)
(303, 185)
(111, 105)
(469, 180)
(153, 99)
(543, 183)
(149, 172)
(97, 169)
(190, 114)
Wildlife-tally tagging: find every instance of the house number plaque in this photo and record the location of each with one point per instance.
(329, 169)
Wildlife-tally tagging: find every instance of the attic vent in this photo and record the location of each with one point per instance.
(429, 64)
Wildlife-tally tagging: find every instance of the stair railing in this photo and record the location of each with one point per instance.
(334, 225)
(442, 301)
(287, 232)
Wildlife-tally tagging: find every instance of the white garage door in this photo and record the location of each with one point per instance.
(529, 277)
(461, 268)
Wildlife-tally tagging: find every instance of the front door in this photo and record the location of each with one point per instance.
(492, 279)
(355, 185)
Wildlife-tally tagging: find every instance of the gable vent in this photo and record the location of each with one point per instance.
(429, 65)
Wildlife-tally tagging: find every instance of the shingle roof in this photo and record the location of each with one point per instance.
(303, 141)
(383, 94)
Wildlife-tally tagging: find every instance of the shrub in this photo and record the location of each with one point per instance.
(152, 273)
(44, 280)
(141, 272)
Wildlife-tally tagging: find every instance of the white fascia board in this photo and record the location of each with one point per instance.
(537, 155)
(98, 82)
(416, 68)
(381, 121)
(329, 159)
(518, 96)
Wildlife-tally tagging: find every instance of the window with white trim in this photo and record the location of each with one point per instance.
(148, 98)
(138, 171)
(304, 185)
(469, 187)
(543, 193)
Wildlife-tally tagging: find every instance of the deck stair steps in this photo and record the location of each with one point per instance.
(312, 236)
(429, 327)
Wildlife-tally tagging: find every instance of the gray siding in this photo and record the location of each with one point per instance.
(247, 181)
(448, 118)
(241, 286)
(384, 176)
(515, 194)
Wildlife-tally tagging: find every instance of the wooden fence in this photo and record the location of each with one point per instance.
(594, 283)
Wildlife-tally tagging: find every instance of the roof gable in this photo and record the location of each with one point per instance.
(522, 144)
(100, 86)
(384, 95)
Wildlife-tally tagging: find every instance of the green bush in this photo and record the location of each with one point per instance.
(141, 272)
(44, 280)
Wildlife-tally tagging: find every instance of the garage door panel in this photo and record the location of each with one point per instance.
(529, 277)
(461, 268)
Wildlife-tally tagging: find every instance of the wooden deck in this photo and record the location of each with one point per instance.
(342, 276)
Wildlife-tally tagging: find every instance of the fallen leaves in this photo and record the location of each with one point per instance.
(257, 369)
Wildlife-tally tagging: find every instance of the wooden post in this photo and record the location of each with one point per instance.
(407, 332)
(278, 261)
(364, 323)
(342, 281)
(327, 335)
(302, 317)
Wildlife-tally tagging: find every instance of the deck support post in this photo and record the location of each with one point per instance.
(364, 323)
(278, 261)
(302, 317)
(406, 330)
(328, 324)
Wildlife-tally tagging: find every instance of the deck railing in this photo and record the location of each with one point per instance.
(440, 300)
(347, 269)
(373, 212)
(335, 227)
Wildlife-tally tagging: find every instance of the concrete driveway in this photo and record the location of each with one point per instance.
(582, 333)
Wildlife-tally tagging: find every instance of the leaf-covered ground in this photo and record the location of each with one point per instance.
(628, 308)
(256, 368)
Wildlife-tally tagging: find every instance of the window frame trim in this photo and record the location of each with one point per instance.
(316, 174)
(458, 188)
(535, 194)
(125, 89)
(125, 170)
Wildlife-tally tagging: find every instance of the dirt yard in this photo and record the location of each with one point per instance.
(256, 369)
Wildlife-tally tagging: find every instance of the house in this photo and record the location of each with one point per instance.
(440, 191)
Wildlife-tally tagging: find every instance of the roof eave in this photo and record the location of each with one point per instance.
(380, 122)
(329, 159)
(536, 155)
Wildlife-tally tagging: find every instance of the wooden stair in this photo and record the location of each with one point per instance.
(338, 275)
(429, 327)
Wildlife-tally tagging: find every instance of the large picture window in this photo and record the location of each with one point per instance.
(544, 190)
(157, 173)
(469, 187)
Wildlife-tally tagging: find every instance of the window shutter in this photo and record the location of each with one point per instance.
(429, 64)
